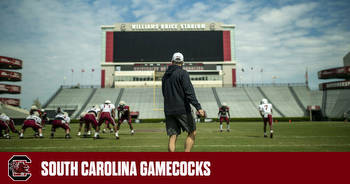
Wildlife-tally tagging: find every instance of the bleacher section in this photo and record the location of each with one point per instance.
(239, 103)
(70, 98)
(13, 112)
(308, 97)
(207, 100)
(101, 95)
(331, 101)
(342, 104)
(141, 99)
(282, 98)
(338, 102)
(243, 101)
(255, 95)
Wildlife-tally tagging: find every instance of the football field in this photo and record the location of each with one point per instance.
(151, 137)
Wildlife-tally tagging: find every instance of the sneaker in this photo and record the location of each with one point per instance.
(228, 130)
(111, 131)
(89, 133)
(132, 132)
(117, 137)
(220, 130)
(97, 137)
(104, 131)
(78, 134)
(52, 135)
(21, 137)
(67, 136)
(271, 135)
(41, 137)
(265, 135)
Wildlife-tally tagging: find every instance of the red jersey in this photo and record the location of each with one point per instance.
(224, 111)
(123, 110)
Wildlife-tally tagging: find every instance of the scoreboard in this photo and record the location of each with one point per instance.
(196, 46)
(137, 54)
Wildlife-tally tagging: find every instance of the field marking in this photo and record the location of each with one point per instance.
(199, 145)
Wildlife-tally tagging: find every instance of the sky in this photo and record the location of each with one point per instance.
(284, 38)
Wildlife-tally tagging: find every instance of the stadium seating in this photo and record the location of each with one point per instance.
(207, 100)
(337, 103)
(308, 97)
(238, 101)
(13, 112)
(281, 98)
(148, 101)
(101, 95)
(243, 101)
(255, 96)
(71, 97)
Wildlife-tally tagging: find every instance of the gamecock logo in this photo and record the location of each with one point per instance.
(19, 168)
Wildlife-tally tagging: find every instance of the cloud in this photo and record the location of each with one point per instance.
(282, 37)
(53, 37)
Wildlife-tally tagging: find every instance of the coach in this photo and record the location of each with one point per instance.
(178, 94)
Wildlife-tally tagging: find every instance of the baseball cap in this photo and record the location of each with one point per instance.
(178, 57)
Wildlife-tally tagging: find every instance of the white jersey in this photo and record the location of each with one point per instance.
(4, 118)
(94, 110)
(35, 118)
(107, 107)
(265, 109)
(63, 118)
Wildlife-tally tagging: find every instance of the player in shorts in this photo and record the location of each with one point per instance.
(33, 121)
(124, 114)
(61, 120)
(178, 94)
(90, 119)
(44, 118)
(107, 114)
(265, 110)
(224, 115)
(4, 125)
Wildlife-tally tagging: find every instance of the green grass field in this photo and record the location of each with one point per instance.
(151, 137)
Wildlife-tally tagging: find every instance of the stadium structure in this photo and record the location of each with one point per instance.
(10, 76)
(336, 94)
(136, 55)
(10, 105)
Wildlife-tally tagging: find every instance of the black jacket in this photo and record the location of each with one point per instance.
(178, 91)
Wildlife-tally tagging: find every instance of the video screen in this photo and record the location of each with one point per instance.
(159, 46)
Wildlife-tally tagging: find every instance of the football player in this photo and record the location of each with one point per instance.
(107, 114)
(33, 121)
(124, 114)
(265, 110)
(81, 123)
(44, 118)
(224, 114)
(61, 120)
(90, 118)
(4, 125)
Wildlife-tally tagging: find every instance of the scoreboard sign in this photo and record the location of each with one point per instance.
(10, 63)
(158, 46)
(13, 89)
(10, 101)
(10, 76)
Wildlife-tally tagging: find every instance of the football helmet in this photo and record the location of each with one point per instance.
(264, 101)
